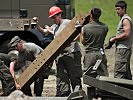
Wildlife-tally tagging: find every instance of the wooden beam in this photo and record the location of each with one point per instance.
(51, 52)
(109, 87)
(123, 82)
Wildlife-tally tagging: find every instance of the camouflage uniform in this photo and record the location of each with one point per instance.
(95, 33)
(7, 80)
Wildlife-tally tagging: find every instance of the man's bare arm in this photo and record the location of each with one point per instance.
(126, 33)
(45, 30)
(82, 39)
(12, 65)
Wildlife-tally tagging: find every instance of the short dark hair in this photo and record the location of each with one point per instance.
(121, 4)
(96, 13)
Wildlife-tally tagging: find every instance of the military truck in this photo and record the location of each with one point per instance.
(16, 19)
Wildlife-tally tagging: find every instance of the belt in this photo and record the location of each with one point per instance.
(94, 51)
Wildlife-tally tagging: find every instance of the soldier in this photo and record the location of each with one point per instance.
(28, 52)
(123, 41)
(92, 36)
(6, 78)
(68, 63)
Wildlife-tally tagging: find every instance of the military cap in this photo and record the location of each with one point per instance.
(14, 41)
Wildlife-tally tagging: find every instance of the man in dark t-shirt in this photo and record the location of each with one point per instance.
(93, 36)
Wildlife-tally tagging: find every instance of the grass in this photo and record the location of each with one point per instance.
(109, 16)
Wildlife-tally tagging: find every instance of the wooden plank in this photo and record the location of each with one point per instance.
(51, 52)
(109, 87)
(13, 24)
(116, 80)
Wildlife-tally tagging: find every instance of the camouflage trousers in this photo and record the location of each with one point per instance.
(7, 80)
(122, 63)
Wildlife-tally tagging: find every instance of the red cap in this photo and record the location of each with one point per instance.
(54, 10)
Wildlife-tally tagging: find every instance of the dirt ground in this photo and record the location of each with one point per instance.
(50, 83)
(49, 89)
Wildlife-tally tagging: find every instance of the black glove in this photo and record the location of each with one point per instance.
(109, 44)
(87, 20)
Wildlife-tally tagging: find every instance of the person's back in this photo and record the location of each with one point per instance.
(92, 37)
(95, 33)
(30, 52)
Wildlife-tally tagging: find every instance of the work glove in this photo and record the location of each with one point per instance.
(87, 20)
(109, 44)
